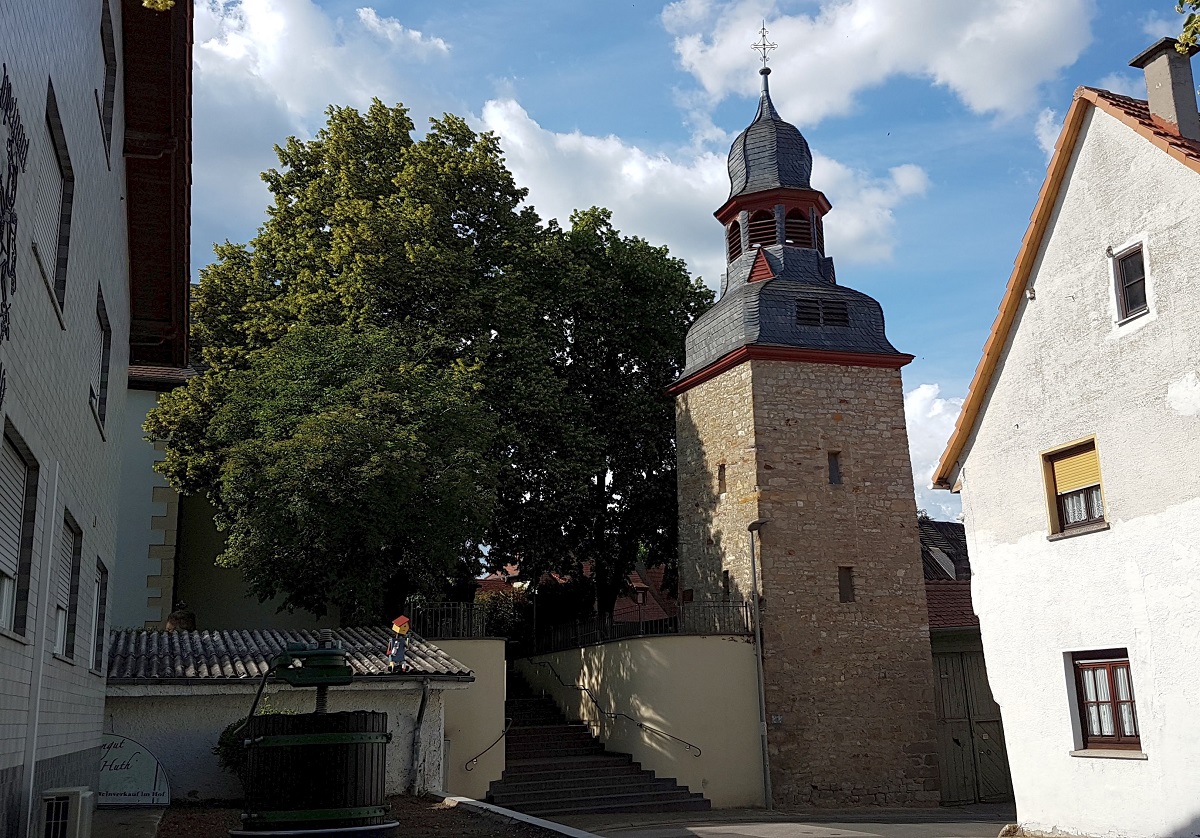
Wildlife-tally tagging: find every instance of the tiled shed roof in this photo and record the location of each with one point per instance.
(950, 604)
(148, 657)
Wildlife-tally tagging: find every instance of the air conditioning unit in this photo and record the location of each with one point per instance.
(67, 813)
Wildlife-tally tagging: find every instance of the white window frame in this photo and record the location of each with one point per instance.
(8, 601)
(60, 631)
(1115, 253)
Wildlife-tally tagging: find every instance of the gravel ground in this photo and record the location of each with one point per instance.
(427, 817)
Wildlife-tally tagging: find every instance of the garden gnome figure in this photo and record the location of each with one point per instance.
(398, 644)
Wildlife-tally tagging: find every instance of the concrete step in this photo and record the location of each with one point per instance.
(633, 785)
(626, 803)
(563, 765)
(561, 749)
(552, 782)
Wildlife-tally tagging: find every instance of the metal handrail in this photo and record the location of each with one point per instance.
(473, 761)
(613, 715)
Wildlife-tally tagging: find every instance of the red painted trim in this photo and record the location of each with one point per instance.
(787, 196)
(787, 353)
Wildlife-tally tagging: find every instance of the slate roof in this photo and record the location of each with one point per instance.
(764, 313)
(950, 605)
(944, 550)
(150, 657)
(770, 153)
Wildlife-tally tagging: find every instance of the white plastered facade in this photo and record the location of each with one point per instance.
(50, 362)
(1070, 371)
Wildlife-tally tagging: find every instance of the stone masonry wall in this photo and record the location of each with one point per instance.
(714, 427)
(849, 685)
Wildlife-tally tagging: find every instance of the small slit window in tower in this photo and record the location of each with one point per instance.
(721, 479)
(762, 229)
(733, 240)
(796, 229)
(835, 468)
(846, 584)
(725, 585)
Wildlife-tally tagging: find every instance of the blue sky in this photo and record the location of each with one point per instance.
(931, 122)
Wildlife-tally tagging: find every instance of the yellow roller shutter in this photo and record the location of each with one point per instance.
(1076, 469)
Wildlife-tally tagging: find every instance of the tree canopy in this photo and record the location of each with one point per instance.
(1190, 34)
(405, 364)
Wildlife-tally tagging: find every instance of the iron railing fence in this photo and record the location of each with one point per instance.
(689, 618)
(497, 617)
(514, 619)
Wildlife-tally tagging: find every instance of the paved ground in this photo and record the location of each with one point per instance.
(966, 822)
(126, 823)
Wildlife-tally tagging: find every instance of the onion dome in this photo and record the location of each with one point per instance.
(770, 153)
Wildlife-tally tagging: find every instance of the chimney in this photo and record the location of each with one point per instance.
(1170, 89)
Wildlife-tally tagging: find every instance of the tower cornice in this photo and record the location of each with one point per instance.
(771, 197)
(757, 352)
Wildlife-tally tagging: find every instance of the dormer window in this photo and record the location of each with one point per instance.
(797, 229)
(762, 229)
(733, 240)
(810, 312)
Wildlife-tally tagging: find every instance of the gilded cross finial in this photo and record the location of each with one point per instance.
(763, 46)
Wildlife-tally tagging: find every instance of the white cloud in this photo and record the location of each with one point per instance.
(397, 33)
(266, 69)
(993, 56)
(930, 420)
(1127, 84)
(671, 199)
(1157, 26)
(1047, 129)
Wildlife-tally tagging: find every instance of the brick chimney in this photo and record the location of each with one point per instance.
(1170, 88)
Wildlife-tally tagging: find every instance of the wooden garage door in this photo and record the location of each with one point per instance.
(971, 753)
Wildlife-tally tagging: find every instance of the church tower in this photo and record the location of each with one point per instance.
(790, 417)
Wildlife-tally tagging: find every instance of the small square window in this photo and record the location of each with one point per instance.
(1073, 478)
(1131, 284)
(1107, 709)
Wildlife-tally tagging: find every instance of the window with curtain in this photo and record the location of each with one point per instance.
(1107, 709)
(1075, 477)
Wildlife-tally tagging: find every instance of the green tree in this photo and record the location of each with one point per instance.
(1190, 34)
(344, 466)
(593, 479)
(404, 364)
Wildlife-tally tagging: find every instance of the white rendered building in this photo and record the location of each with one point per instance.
(1078, 458)
(94, 168)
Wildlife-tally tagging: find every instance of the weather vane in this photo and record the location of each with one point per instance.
(763, 46)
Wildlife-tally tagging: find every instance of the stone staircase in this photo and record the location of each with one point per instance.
(556, 767)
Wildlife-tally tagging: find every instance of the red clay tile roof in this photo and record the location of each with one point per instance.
(949, 604)
(1136, 114)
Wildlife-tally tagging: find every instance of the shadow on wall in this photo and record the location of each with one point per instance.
(701, 541)
(219, 596)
